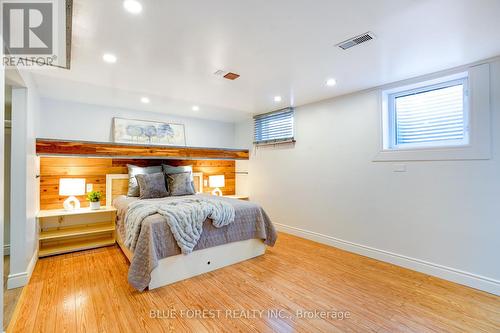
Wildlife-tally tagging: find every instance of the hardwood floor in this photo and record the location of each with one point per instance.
(10, 296)
(88, 292)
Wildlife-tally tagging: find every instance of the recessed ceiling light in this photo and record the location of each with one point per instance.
(331, 82)
(277, 99)
(145, 100)
(132, 6)
(195, 108)
(109, 58)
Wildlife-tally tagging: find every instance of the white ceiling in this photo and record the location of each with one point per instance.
(280, 47)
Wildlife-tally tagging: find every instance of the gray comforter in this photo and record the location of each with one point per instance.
(156, 241)
(185, 216)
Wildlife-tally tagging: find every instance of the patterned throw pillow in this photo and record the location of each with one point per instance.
(180, 184)
(171, 170)
(133, 170)
(152, 186)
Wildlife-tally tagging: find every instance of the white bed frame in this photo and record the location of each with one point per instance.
(180, 267)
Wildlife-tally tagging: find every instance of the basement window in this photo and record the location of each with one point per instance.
(429, 116)
(441, 118)
(274, 127)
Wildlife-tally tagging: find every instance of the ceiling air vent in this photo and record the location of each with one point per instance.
(226, 74)
(347, 44)
(231, 76)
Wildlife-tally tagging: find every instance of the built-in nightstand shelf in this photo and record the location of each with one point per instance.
(67, 231)
(76, 231)
(50, 250)
(79, 211)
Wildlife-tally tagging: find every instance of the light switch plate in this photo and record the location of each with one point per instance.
(90, 187)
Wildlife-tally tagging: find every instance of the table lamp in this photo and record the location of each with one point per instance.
(216, 181)
(71, 187)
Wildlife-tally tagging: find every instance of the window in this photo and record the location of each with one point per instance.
(437, 119)
(274, 127)
(433, 115)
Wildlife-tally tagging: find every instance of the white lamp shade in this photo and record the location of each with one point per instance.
(216, 181)
(71, 186)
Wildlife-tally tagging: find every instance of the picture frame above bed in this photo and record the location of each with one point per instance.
(148, 132)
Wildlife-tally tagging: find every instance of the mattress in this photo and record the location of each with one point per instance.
(156, 241)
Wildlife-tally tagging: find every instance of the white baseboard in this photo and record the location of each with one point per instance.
(6, 250)
(21, 279)
(455, 275)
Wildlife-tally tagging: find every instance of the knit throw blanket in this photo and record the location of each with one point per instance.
(185, 217)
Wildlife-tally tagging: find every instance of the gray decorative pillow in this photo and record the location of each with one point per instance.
(133, 170)
(180, 184)
(170, 170)
(152, 186)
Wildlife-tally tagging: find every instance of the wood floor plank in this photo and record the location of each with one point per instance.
(46, 314)
(86, 320)
(197, 299)
(121, 293)
(10, 296)
(66, 310)
(25, 321)
(227, 303)
(240, 300)
(282, 298)
(88, 292)
(307, 295)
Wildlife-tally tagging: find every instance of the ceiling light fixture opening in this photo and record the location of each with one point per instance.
(145, 100)
(132, 6)
(109, 58)
(277, 99)
(195, 108)
(331, 82)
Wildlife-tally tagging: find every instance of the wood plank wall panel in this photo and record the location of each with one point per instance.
(57, 147)
(94, 170)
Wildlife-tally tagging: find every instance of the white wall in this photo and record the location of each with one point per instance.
(24, 183)
(77, 121)
(6, 229)
(32, 169)
(439, 217)
(7, 134)
(18, 184)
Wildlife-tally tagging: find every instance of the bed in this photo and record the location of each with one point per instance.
(157, 260)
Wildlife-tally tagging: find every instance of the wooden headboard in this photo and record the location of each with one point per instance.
(94, 170)
(117, 184)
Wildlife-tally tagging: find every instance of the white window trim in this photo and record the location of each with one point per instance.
(479, 131)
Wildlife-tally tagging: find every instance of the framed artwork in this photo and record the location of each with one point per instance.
(148, 132)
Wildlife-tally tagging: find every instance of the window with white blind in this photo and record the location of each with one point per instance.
(429, 116)
(437, 118)
(274, 127)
